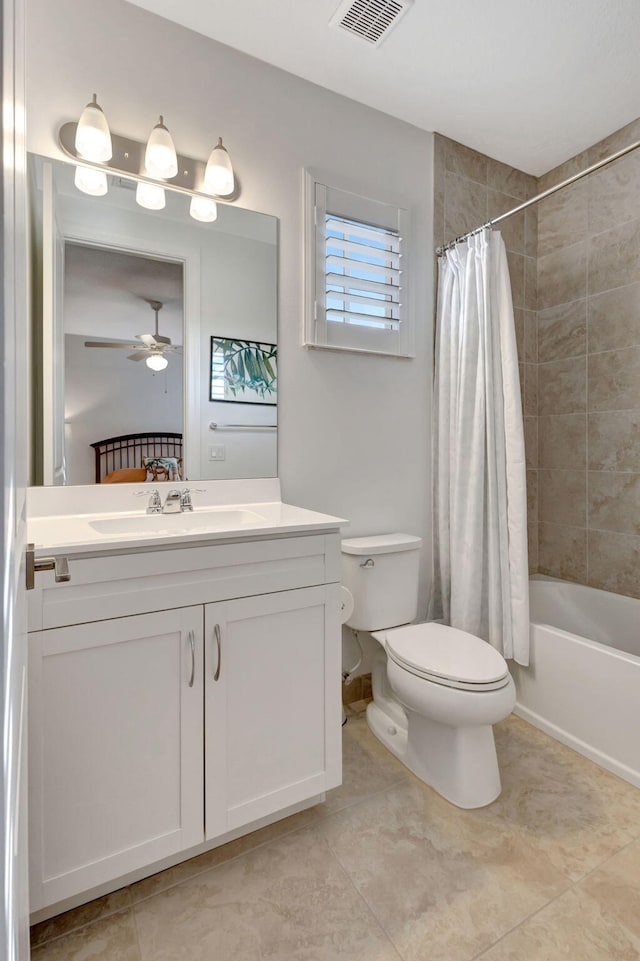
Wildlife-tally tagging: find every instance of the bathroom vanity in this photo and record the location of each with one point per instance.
(183, 684)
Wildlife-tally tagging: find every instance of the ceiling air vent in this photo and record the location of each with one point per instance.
(371, 20)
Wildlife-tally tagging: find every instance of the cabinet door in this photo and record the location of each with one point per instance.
(116, 748)
(272, 704)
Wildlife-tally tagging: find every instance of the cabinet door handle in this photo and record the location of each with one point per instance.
(192, 645)
(216, 635)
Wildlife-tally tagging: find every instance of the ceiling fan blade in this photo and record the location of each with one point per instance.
(109, 343)
(139, 355)
(147, 339)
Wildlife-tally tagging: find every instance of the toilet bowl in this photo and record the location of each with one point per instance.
(445, 736)
(437, 690)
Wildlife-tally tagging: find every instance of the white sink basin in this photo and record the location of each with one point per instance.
(180, 523)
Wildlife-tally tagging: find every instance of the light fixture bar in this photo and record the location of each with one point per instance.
(128, 161)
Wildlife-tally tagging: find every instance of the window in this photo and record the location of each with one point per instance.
(356, 273)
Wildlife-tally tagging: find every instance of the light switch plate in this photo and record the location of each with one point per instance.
(217, 452)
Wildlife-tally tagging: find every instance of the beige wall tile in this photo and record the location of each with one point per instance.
(614, 194)
(615, 141)
(562, 441)
(466, 162)
(614, 379)
(516, 275)
(531, 232)
(562, 386)
(567, 169)
(512, 229)
(562, 331)
(518, 320)
(562, 218)
(614, 440)
(614, 502)
(531, 441)
(532, 496)
(530, 390)
(465, 205)
(510, 181)
(613, 318)
(531, 336)
(614, 257)
(562, 276)
(562, 497)
(532, 540)
(530, 283)
(562, 551)
(614, 562)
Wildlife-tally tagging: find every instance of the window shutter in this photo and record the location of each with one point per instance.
(356, 273)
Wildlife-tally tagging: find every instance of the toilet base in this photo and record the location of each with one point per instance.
(460, 763)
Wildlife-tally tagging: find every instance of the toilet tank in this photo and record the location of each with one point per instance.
(382, 574)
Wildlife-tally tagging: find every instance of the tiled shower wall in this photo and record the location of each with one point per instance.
(469, 189)
(579, 354)
(589, 371)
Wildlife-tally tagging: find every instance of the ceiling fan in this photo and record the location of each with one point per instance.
(153, 348)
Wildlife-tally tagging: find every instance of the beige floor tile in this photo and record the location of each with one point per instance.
(110, 939)
(443, 883)
(367, 767)
(616, 887)
(78, 917)
(204, 862)
(571, 928)
(288, 901)
(560, 802)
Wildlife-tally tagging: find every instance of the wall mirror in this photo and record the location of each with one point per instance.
(154, 340)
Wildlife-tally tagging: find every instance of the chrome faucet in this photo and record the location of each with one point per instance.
(185, 497)
(155, 503)
(173, 503)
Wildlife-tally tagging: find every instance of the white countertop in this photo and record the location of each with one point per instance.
(127, 530)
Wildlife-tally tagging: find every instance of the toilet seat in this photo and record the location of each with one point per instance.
(446, 656)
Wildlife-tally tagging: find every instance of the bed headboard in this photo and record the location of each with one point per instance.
(128, 450)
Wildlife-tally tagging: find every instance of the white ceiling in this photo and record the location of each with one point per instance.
(529, 83)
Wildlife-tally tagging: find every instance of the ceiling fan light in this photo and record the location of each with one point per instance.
(204, 210)
(160, 157)
(157, 362)
(218, 176)
(90, 181)
(93, 138)
(150, 196)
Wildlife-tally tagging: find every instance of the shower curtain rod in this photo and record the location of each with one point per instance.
(535, 200)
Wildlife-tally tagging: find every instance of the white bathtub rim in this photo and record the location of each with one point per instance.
(580, 747)
(614, 652)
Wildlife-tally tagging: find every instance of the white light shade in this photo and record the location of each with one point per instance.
(93, 140)
(218, 177)
(157, 362)
(150, 196)
(160, 156)
(92, 182)
(204, 210)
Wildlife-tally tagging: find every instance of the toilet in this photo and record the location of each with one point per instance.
(437, 690)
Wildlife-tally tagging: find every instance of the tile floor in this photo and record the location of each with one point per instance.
(387, 870)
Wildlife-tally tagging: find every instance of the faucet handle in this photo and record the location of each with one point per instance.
(185, 497)
(155, 503)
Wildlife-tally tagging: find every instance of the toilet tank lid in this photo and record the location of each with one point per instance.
(381, 544)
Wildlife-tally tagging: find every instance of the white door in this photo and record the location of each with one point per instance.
(14, 908)
(115, 752)
(272, 704)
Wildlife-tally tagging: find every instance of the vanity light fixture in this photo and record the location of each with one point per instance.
(91, 181)
(218, 176)
(93, 138)
(160, 158)
(157, 362)
(206, 211)
(150, 196)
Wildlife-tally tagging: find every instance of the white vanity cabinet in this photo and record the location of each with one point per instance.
(115, 748)
(205, 699)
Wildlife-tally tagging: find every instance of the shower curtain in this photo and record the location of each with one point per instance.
(480, 505)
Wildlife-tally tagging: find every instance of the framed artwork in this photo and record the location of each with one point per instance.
(243, 371)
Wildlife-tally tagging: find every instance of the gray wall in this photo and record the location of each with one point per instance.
(354, 430)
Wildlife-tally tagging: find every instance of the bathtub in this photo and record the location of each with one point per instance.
(583, 683)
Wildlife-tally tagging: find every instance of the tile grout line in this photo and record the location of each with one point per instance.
(571, 887)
